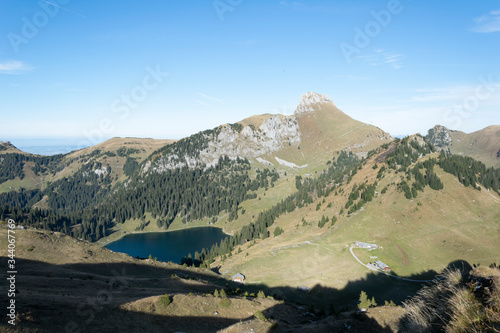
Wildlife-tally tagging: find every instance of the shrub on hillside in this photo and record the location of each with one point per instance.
(278, 231)
(260, 316)
(225, 302)
(165, 300)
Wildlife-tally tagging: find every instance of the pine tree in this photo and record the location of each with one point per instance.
(364, 303)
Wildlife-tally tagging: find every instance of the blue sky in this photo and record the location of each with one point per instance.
(167, 69)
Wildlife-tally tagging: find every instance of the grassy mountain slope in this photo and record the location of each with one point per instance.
(324, 130)
(113, 152)
(483, 145)
(7, 147)
(327, 130)
(418, 237)
(92, 289)
(95, 290)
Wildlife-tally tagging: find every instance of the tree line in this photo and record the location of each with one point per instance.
(339, 171)
(89, 206)
(470, 172)
(12, 165)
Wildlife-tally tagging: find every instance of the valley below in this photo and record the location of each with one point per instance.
(282, 203)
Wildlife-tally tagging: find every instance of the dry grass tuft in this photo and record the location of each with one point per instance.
(457, 303)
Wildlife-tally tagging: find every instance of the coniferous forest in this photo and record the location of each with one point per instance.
(87, 204)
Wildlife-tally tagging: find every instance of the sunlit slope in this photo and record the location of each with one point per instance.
(324, 130)
(113, 152)
(327, 129)
(483, 145)
(415, 235)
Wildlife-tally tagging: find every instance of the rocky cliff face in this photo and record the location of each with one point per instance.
(310, 101)
(440, 137)
(270, 134)
(276, 132)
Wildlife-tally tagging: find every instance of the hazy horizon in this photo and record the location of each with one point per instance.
(53, 146)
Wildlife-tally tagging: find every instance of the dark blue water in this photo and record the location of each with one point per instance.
(168, 246)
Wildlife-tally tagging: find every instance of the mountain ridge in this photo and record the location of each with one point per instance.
(316, 125)
(483, 144)
(292, 215)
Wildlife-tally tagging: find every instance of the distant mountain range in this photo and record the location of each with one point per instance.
(293, 193)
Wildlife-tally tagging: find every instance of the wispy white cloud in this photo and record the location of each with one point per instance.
(461, 106)
(467, 107)
(202, 102)
(210, 98)
(487, 23)
(207, 100)
(69, 11)
(383, 57)
(397, 118)
(458, 93)
(13, 67)
(440, 94)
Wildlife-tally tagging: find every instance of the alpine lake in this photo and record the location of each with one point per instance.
(170, 245)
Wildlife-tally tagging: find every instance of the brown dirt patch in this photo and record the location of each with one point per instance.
(381, 157)
(404, 254)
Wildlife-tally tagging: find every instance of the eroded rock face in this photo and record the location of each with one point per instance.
(239, 141)
(440, 137)
(274, 133)
(311, 101)
(271, 136)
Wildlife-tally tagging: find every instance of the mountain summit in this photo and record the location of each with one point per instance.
(8, 147)
(311, 101)
(310, 136)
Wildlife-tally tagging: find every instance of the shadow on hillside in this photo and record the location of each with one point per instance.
(436, 305)
(95, 298)
(380, 286)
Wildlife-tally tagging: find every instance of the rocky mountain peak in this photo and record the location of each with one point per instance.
(311, 100)
(5, 145)
(440, 137)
